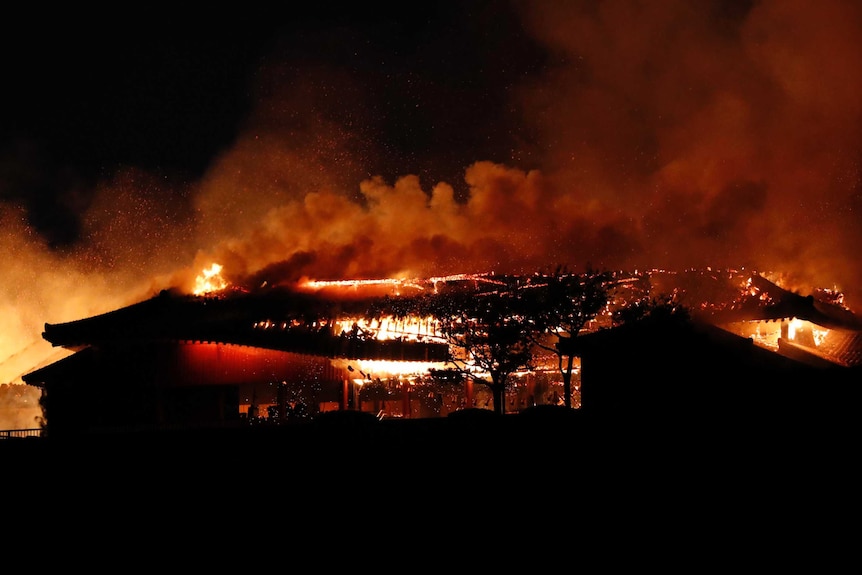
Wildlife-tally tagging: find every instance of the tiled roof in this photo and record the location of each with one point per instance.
(843, 347)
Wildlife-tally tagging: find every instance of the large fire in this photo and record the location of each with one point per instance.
(210, 281)
(628, 134)
(705, 291)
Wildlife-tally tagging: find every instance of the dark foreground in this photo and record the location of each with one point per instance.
(469, 475)
(547, 486)
(535, 441)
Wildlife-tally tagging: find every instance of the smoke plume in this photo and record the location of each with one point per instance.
(671, 134)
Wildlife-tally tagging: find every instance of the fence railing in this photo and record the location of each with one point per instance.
(16, 433)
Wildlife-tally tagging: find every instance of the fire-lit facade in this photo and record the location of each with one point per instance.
(274, 357)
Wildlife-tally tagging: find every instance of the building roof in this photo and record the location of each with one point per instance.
(259, 320)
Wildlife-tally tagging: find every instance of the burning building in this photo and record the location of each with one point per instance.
(179, 360)
(232, 357)
(619, 136)
(226, 356)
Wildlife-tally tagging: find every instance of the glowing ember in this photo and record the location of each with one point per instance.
(397, 285)
(805, 332)
(210, 280)
(376, 367)
(411, 328)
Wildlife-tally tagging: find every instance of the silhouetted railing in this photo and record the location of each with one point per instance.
(16, 433)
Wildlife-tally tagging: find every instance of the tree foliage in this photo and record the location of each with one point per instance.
(489, 335)
(567, 302)
(493, 334)
(563, 306)
(662, 308)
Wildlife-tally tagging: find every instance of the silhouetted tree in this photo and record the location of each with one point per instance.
(492, 335)
(489, 336)
(562, 305)
(661, 308)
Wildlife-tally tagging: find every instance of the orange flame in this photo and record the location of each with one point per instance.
(210, 280)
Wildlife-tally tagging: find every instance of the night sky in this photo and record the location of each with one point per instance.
(337, 141)
(396, 91)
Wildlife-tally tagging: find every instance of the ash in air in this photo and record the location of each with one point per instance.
(613, 135)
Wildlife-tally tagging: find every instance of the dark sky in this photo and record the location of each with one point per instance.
(346, 140)
(168, 96)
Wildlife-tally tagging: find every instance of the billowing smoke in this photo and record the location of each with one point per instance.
(727, 133)
(668, 134)
(680, 135)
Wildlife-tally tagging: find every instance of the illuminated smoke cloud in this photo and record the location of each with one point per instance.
(671, 136)
(668, 134)
(725, 132)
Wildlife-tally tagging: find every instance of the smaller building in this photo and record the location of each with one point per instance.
(684, 370)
